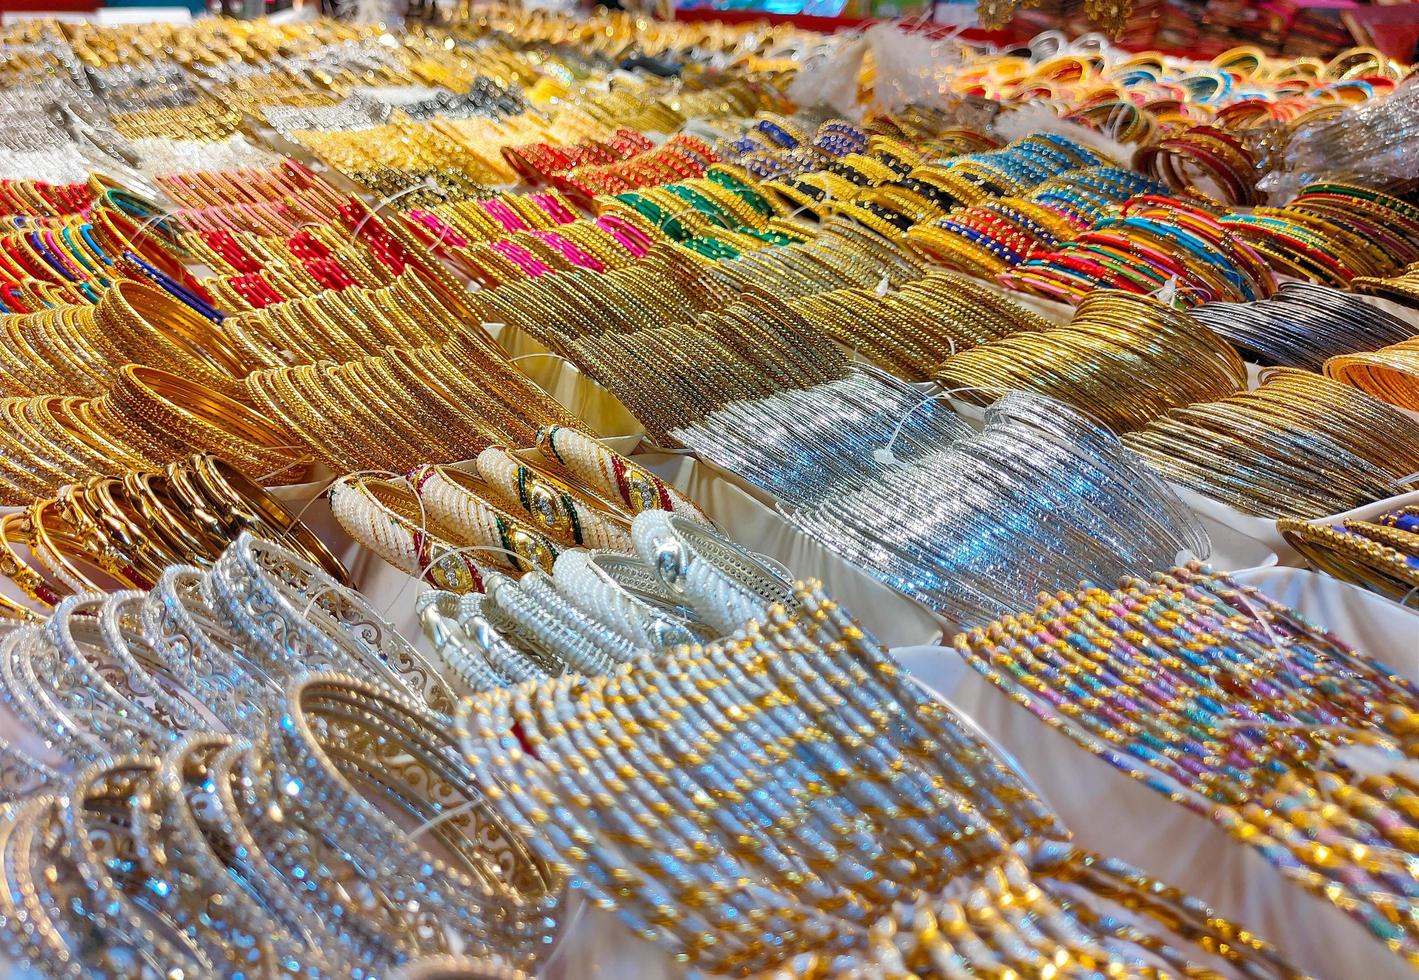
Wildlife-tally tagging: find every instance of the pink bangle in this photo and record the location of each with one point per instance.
(522, 258)
(554, 207)
(443, 232)
(504, 215)
(631, 238)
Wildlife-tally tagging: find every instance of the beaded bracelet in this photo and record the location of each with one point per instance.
(1261, 751)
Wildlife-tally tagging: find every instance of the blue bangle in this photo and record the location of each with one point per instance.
(776, 132)
(87, 231)
(47, 254)
(984, 241)
(178, 290)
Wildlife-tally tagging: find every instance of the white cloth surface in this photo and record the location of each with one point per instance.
(1236, 535)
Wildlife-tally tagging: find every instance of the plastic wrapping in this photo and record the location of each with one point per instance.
(911, 68)
(1037, 117)
(829, 78)
(1374, 143)
(907, 68)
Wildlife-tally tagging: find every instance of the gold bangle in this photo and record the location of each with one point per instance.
(160, 402)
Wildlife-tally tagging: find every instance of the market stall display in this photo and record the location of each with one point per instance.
(452, 476)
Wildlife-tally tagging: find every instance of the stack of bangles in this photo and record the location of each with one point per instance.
(1304, 324)
(681, 157)
(1206, 153)
(122, 531)
(1325, 246)
(343, 325)
(1124, 359)
(1174, 681)
(394, 411)
(1380, 553)
(87, 345)
(1151, 241)
(540, 162)
(1299, 445)
(1402, 288)
(147, 419)
(608, 242)
(491, 218)
(1390, 373)
(509, 513)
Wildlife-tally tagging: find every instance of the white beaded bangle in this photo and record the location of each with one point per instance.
(612, 475)
(404, 544)
(572, 516)
(455, 500)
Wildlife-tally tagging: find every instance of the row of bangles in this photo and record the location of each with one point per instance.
(420, 450)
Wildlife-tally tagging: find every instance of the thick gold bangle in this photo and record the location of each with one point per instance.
(254, 507)
(63, 554)
(15, 529)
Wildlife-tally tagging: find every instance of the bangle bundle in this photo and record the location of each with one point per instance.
(1124, 359)
(1381, 554)
(320, 782)
(73, 350)
(1402, 288)
(1303, 325)
(1107, 512)
(1141, 246)
(1226, 164)
(839, 913)
(910, 330)
(122, 531)
(599, 608)
(149, 418)
(395, 411)
(344, 325)
(1391, 373)
(1298, 446)
(1264, 734)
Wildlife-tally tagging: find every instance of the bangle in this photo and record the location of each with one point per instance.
(388, 519)
(574, 516)
(242, 505)
(611, 475)
(455, 499)
(1390, 374)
